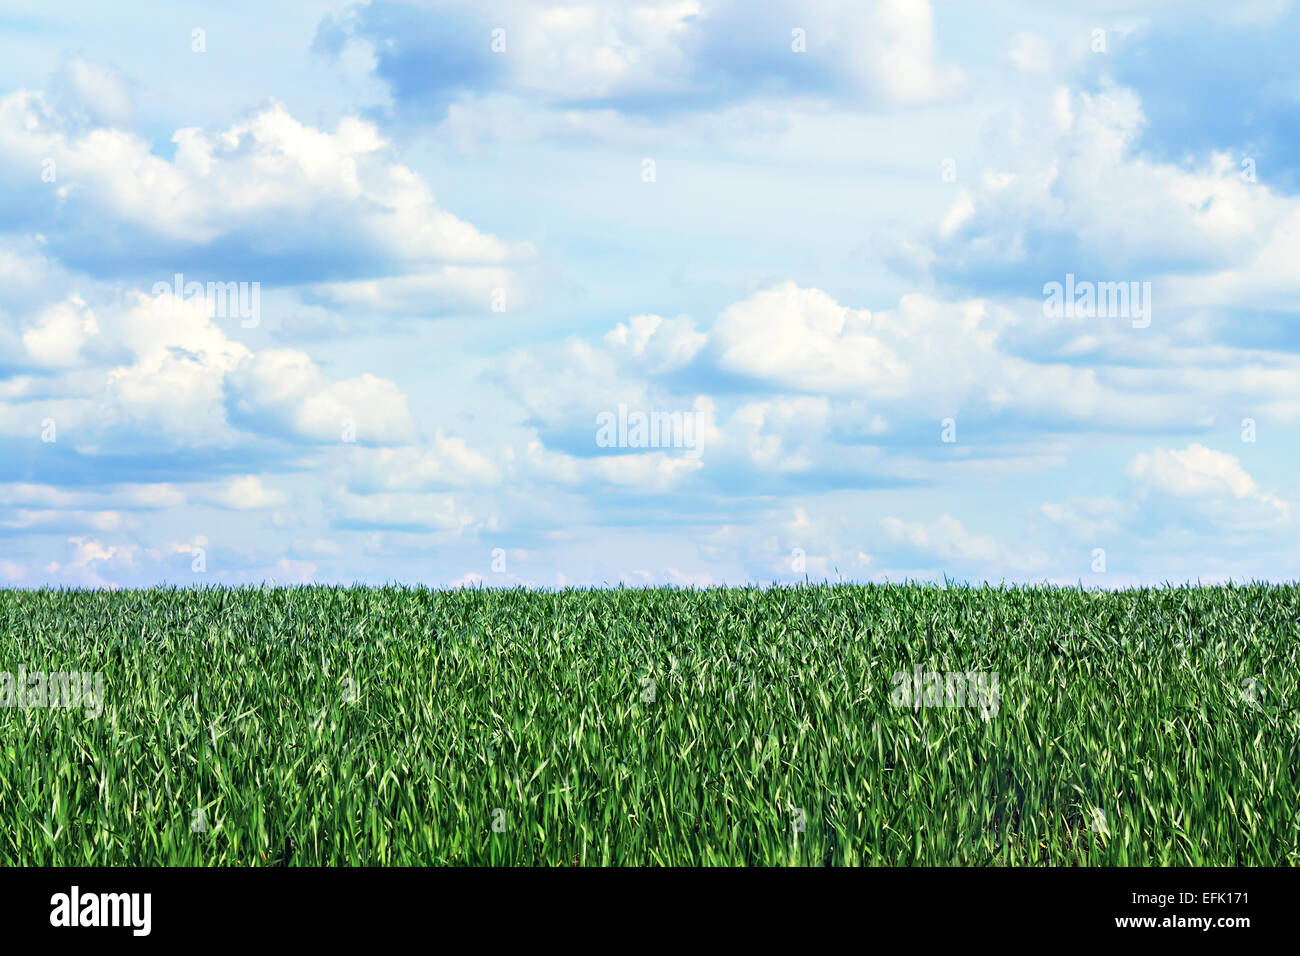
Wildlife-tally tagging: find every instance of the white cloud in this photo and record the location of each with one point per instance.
(162, 367)
(93, 92)
(321, 547)
(651, 471)
(89, 560)
(1088, 519)
(1212, 481)
(959, 213)
(132, 496)
(804, 339)
(246, 493)
(944, 538)
(583, 51)
(284, 390)
(831, 391)
(685, 51)
(308, 193)
(176, 381)
(430, 293)
(1076, 161)
(401, 510)
(927, 360)
(781, 435)
(56, 521)
(900, 52)
(656, 344)
(56, 337)
(447, 461)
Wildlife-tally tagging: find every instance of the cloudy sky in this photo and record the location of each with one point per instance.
(318, 291)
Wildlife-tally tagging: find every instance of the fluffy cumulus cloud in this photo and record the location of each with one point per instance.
(944, 538)
(827, 373)
(246, 494)
(1211, 481)
(1068, 187)
(647, 57)
(1191, 498)
(269, 199)
(164, 366)
(283, 390)
(819, 343)
(445, 461)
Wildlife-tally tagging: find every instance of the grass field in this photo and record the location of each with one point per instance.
(723, 726)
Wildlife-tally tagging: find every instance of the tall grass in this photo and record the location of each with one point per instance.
(325, 725)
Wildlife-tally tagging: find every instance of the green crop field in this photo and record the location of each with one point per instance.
(378, 726)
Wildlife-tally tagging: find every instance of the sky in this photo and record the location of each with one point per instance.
(694, 292)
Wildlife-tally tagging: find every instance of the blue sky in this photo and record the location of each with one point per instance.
(435, 245)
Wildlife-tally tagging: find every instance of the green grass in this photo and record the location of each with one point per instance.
(396, 726)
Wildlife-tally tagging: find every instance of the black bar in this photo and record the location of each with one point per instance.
(335, 906)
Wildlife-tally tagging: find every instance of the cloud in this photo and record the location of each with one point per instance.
(1212, 483)
(270, 199)
(943, 538)
(656, 344)
(61, 522)
(283, 392)
(57, 334)
(400, 511)
(926, 360)
(647, 472)
(648, 58)
(797, 337)
(885, 376)
(784, 434)
(151, 366)
(130, 497)
(1088, 519)
(446, 289)
(1067, 187)
(175, 381)
(157, 371)
(448, 461)
(246, 493)
(1244, 99)
(1173, 499)
(92, 93)
(90, 560)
